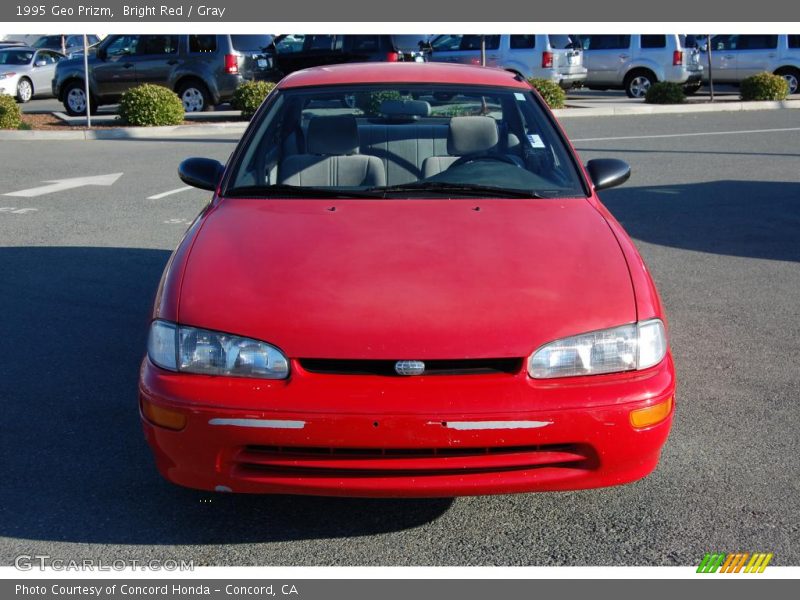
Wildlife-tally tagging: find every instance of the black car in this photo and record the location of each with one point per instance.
(294, 52)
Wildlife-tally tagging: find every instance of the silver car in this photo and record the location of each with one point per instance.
(736, 57)
(635, 62)
(27, 72)
(558, 58)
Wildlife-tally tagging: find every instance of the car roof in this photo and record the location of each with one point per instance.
(410, 72)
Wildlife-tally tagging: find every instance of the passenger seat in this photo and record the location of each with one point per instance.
(332, 157)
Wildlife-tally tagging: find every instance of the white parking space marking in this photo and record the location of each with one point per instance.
(169, 193)
(680, 135)
(177, 222)
(60, 185)
(17, 211)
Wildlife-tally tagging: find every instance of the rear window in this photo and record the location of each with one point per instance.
(654, 41)
(757, 42)
(473, 42)
(562, 42)
(366, 43)
(202, 43)
(250, 42)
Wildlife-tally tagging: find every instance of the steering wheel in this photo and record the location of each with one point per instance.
(470, 158)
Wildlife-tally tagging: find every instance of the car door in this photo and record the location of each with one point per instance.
(155, 59)
(724, 58)
(43, 70)
(115, 71)
(606, 56)
(754, 54)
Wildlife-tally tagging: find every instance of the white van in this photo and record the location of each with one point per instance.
(634, 62)
(558, 58)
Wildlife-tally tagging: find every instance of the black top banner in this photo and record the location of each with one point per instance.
(359, 11)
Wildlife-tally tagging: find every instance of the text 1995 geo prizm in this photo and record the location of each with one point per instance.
(405, 285)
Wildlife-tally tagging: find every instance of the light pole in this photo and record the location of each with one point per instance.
(86, 79)
(708, 56)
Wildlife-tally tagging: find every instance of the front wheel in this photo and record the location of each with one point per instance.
(791, 76)
(24, 90)
(637, 84)
(75, 100)
(195, 97)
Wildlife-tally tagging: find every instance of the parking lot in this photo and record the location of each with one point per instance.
(713, 205)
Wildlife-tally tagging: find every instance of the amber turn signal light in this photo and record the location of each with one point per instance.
(645, 417)
(163, 417)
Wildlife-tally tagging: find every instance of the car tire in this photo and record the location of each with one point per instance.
(195, 96)
(638, 82)
(792, 77)
(75, 100)
(692, 89)
(24, 90)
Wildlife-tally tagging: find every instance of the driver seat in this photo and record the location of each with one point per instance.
(467, 135)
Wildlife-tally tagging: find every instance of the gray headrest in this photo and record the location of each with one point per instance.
(405, 108)
(471, 135)
(332, 135)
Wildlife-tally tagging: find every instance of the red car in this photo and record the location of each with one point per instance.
(405, 285)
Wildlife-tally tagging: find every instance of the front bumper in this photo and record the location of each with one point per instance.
(405, 437)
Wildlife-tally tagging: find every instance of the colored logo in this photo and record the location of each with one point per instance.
(734, 563)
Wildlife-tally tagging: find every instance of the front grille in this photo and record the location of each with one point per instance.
(374, 462)
(471, 366)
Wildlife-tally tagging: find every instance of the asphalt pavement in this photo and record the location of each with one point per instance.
(713, 205)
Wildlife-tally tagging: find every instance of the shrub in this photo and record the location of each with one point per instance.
(371, 102)
(552, 93)
(249, 96)
(10, 117)
(665, 92)
(150, 105)
(764, 86)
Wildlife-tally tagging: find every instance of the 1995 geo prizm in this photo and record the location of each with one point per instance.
(405, 285)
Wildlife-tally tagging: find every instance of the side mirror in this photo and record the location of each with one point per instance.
(41, 63)
(608, 172)
(203, 173)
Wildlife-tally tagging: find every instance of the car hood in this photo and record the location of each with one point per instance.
(406, 279)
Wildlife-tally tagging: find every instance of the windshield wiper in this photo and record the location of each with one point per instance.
(296, 191)
(471, 189)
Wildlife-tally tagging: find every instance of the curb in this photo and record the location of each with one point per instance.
(577, 111)
(125, 133)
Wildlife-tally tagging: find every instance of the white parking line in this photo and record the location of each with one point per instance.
(680, 135)
(169, 193)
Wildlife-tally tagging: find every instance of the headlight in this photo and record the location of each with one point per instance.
(626, 348)
(191, 350)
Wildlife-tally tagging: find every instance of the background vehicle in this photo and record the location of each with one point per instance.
(203, 69)
(735, 57)
(294, 52)
(66, 44)
(634, 62)
(27, 72)
(555, 57)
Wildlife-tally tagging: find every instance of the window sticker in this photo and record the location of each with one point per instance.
(535, 141)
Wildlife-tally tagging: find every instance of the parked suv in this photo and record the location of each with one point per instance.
(635, 62)
(294, 52)
(558, 58)
(204, 70)
(735, 57)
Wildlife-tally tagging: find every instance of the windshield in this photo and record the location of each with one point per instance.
(15, 57)
(409, 141)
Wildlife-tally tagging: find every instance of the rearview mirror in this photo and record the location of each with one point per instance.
(203, 173)
(608, 172)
